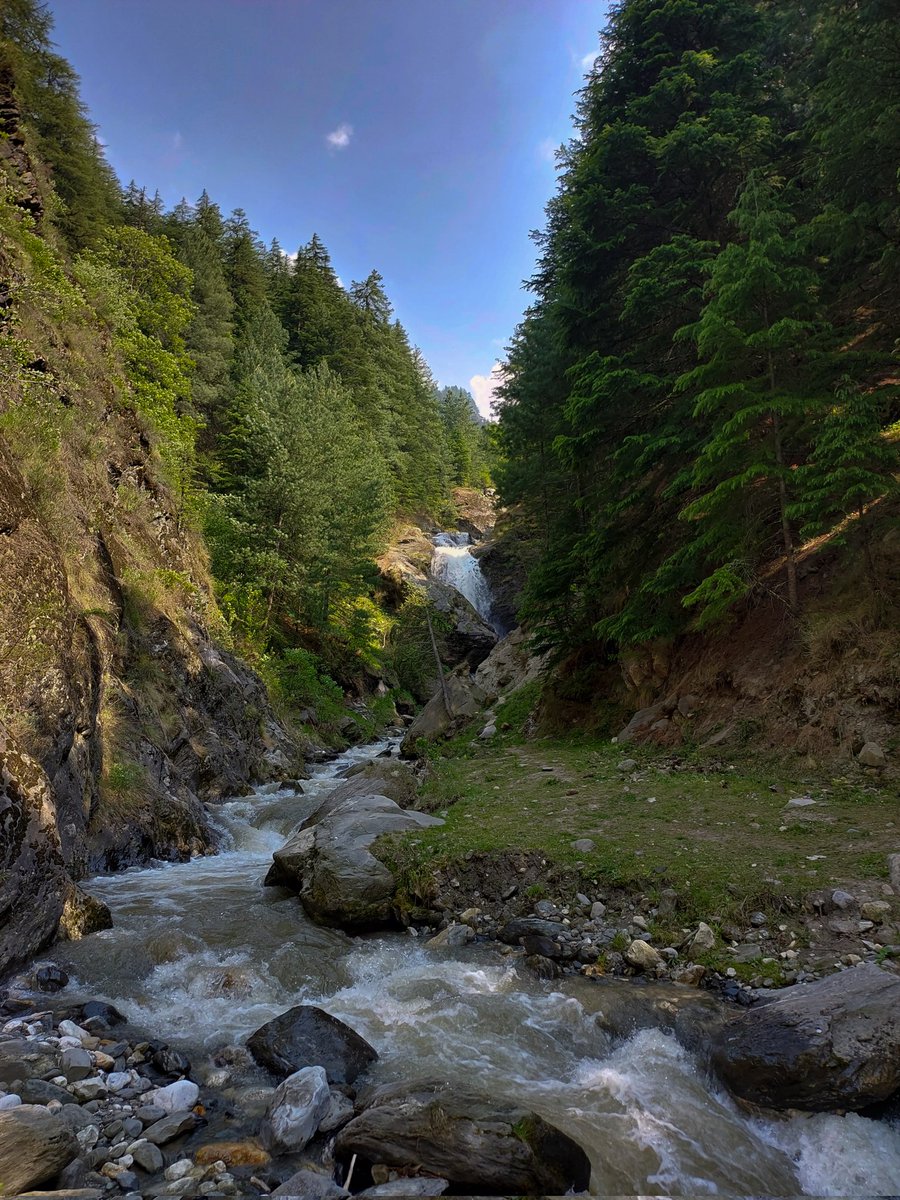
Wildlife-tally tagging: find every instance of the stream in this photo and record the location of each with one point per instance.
(201, 955)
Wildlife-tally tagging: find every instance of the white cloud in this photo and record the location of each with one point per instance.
(484, 388)
(587, 61)
(339, 139)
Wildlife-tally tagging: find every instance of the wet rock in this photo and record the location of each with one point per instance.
(170, 1127)
(50, 979)
(34, 1147)
(331, 865)
(82, 914)
(171, 1062)
(233, 1154)
(623, 1008)
(307, 1036)
(514, 931)
(831, 1044)
(543, 968)
(311, 1185)
(296, 1110)
(340, 1110)
(453, 935)
(106, 1012)
(474, 1143)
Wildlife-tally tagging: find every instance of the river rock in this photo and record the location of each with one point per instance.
(34, 1147)
(406, 1188)
(518, 928)
(170, 1127)
(339, 880)
(702, 941)
(622, 1008)
(871, 755)
(474, 1143)
(307, 1036)
(311, 1185)
(296, 1110)
(830, 1044)
(175, 1097)
(76, 1064)
(642, 956)
(147, 1156)
(453, 935)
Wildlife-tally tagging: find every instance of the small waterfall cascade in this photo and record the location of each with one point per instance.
(454, 564)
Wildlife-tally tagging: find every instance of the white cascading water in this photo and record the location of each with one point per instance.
(454, 564)
(201, 955)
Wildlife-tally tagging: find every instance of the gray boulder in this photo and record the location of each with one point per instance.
(521, 927)
(34, 1147)
(442, 714)
(307, 1036)
(296, 1110)
(310, 1185)
(480, 1146)
(830, 1044)
(330, 864)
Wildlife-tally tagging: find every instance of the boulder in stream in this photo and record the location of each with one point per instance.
(832, 1044)
(489, 1146)
(330, 864)
(307, 1036)
(296, 1110)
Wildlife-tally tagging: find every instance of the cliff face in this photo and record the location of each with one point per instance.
(121, 707)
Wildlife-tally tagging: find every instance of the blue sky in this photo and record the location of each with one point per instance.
(442, 113)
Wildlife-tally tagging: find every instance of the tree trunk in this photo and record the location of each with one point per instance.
(787, 536)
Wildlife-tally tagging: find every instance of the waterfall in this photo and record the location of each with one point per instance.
(454, 564)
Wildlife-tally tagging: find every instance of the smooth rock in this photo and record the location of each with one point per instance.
(642, 956)
(515, 930)
(307, 1036)
(478, 1145)
(626, 765)
(311, 1185)
(340, 1110)
(421, 1186)
(828, 1045)
(170, 1127)
(584, 845)
(12, 1100)
(296, 1110)
(76, 1064)
(35, 1145)
(175, 1097)
(598, 910)
(147, 1156)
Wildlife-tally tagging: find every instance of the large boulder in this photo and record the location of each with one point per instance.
(307, 1036)
(35, 1145)
(330, 864)
(622, 1008)
(487, 1146)
(458, 701)
(463, 636)
(509, 666)
(826, 1045)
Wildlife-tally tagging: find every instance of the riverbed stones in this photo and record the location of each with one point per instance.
(171, 1126)
(307, 1036)
(831, 1044)
(474, 1143)
(34, 1147)
(76, 1064)
(515, 930)
(175, 1097)
(296, 1110)
(453, 936)
(311, 1185)
(702, 941)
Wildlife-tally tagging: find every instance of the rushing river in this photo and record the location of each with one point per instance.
(201, 954)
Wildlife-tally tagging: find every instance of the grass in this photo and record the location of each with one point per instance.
(715, 833)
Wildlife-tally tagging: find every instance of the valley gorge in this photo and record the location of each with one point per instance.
(398, 801)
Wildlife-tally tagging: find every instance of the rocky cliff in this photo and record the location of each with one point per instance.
(121, 707)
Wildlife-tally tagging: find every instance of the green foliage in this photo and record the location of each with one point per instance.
(718, 255)
(302, 683)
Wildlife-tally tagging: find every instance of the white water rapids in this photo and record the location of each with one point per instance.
(201, 955)
(453, 563)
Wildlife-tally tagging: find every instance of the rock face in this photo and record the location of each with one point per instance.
(486, 1146)
(307, 1036)
(509, 666)
(35, 1145)
(464, 637)
(328, 861)
(830, 1044)
(441, 716)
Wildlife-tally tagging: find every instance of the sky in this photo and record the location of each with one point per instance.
(415, 137)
